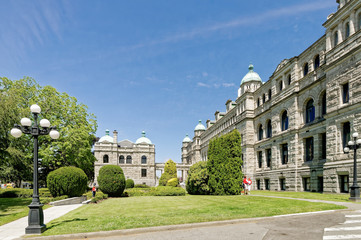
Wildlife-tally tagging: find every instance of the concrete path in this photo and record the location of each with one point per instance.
(16, 228)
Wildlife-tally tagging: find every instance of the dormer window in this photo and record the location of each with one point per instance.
(257, 102)
(347, 30)
(281, 85)
(335, 39)
(289, 79)
(316, 62)
(264, 98)
(269, 94)
(305, 69)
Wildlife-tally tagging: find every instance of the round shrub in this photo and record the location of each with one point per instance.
(129, 183)
(111, 180)
(173, 182)
(197, 181)
(71, 181)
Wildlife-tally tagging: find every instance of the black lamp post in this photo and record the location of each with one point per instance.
(36, 216)
(355, 189)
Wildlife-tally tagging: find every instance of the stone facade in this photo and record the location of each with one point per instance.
(295, 125)
(136, 159)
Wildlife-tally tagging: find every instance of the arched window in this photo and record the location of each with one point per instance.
(129, 159)
(269, 129)
(316, 62)
(121, 159)
(284, 121)
(289, 79)
(305, 69)
(347, 30)
(310, 111)
(264, 98)
(105, 159)
(260, 132)
(335, 38)
(323, 104)
(144, 159)
(269, 94)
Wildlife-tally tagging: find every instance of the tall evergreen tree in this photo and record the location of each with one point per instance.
(225, 164)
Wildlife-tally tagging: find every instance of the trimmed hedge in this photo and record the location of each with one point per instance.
(71, 181)
(156, 191)
(111, 180)
(173, 182)
(197, 180)
(129, 183)
(23, 193)
(141, 186)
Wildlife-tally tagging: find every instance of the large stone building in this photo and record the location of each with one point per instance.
(136, 159)
(295, 125)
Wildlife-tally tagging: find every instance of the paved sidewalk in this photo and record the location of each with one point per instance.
(16, 228)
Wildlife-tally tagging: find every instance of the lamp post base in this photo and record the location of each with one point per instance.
(355, 194)
(35, 219)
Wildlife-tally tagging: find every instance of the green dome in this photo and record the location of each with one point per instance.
(187, 139)
(200, 126)
(251, 76)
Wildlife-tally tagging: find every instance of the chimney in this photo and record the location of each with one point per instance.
(115, 136)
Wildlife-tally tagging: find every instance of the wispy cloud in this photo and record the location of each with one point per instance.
(215, 85)
(228, 84)
(253, 20)
(200, 84)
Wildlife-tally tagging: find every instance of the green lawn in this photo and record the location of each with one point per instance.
(306, 195)
(14, 208)
(136, 212)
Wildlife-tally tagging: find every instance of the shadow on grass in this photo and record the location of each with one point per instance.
(55, 224)
(6, 203)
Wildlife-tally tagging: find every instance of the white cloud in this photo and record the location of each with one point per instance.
(228, 84)
(200, 84)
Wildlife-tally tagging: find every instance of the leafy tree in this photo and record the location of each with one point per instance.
(170, 171)
(225, 164)
(197, 180)
(77, 130)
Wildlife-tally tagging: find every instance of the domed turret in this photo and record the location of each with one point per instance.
(200, 126)
(251, 76)
(143, 139)
(106, 138)
(187, 139)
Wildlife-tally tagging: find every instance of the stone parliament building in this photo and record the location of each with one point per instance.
(295, 125)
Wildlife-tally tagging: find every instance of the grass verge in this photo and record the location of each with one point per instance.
(336, 197)
(137, 212)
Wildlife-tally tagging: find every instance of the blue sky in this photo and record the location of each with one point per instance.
(157, 66)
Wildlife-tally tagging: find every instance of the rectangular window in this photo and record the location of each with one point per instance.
(344, 183)
(309, 149)
(323, 145)
(345, 93)
(284, 153)
(258, 184)
(306, 184)
(266, 183)
(320, 184)
(260, 159)
(144, 172)
(268, 157)
(283, 184)
(346, 134)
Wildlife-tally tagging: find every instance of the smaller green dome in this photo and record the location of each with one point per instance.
(106, 138)
(200, 126)
(251, 76)
(187, 139)
(143, 139)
